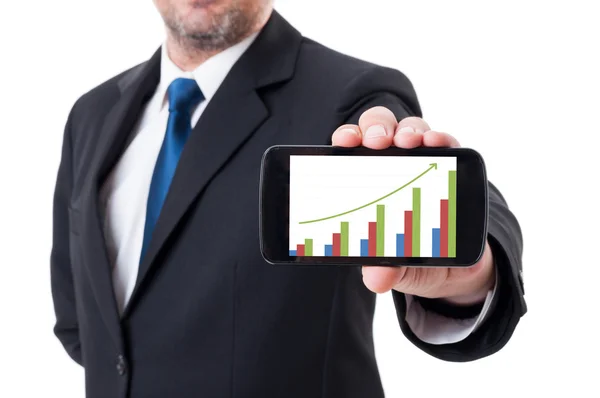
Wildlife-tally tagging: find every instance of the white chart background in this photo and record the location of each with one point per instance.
(322, 186)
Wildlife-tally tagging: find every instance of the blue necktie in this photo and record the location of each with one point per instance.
(183, 95)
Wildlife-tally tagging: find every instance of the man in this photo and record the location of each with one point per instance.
(158, 283)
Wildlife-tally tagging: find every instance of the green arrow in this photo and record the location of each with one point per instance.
(431, 167)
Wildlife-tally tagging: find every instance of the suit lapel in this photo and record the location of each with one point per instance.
(135, 88)
(229, 120)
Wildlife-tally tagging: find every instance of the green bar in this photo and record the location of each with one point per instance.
(452, 213)
(416, 223)
(308, 247)
(379, 251)
(344, 233)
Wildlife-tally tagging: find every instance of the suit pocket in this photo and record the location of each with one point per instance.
(74, 220)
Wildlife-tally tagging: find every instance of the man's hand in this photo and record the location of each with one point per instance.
(378, 129)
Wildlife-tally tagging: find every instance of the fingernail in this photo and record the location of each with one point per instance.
(407, 130)
(349, 131)
(376, 131)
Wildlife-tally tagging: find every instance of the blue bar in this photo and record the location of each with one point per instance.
(364, 247)
(329, 250)
(435, 242)
(292, 252)
(399, 245)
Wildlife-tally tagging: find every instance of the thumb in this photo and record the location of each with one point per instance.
(382, 279)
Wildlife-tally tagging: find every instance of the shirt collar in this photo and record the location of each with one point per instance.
(209, 75)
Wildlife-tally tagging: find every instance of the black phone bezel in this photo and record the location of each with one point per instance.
(472, 206)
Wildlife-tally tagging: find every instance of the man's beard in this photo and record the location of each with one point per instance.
(222, 31)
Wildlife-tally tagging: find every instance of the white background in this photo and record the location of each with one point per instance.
(517, 80)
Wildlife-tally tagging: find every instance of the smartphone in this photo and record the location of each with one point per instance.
(325, 205)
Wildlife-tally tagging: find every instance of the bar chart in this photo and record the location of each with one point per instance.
(372, 206)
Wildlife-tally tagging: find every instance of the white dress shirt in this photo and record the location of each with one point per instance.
(124, 194)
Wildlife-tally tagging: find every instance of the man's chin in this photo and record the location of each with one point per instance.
(197, 25)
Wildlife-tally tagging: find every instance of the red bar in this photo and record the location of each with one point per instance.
(372, 239)
(408, 233)
(444, 228)
(337, 244)
(300, 250)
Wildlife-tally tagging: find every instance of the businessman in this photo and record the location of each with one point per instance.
(158, 283)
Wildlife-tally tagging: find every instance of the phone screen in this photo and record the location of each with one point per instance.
(324, 205)
(373, 206)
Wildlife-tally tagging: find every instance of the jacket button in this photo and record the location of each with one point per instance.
(121, 365)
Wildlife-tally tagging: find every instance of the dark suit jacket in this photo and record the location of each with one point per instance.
(208, 317)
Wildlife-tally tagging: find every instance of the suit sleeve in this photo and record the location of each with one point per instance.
(63, 295)
(386, 87)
